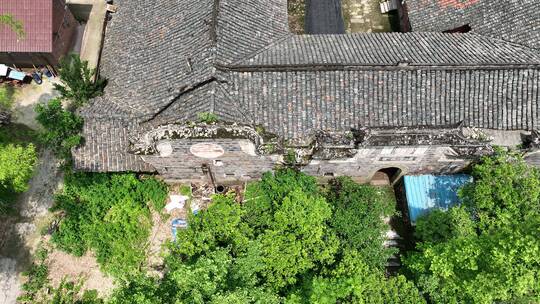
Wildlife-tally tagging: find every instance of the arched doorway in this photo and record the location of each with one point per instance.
(386, 176)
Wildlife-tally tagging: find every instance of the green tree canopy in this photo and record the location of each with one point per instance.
(16, 166)
(61, 127)
(489, 250)
(79, 82)
(358, 210)
(278, 246)
(17, 163)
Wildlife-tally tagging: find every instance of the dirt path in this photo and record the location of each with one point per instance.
(28, 96)
(63, 265)
(20, 233)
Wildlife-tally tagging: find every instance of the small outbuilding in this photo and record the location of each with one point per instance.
(428, 192)
(35, 32)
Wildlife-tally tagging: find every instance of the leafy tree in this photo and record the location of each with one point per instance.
(276, 247)
(441, 226)
(62, 127)
(78, 80)
(506, 190)
(297, 240)
(496, 256)
(140, 290)
(16, 166)
(358, 210)
(108, 213)
(220, 224)
(264, 197)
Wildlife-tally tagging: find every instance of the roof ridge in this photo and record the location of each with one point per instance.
(261, 50)
(454, 51)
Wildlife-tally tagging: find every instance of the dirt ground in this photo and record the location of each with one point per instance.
(19, 234)
(28, 96)
(63, 265)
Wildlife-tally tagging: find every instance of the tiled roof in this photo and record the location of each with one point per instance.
(36, 17)
(168, 60)
(511, 20)
(293, 103)
(384, 49)
(106, 149)
(150, 64)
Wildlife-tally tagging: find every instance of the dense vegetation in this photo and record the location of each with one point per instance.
(61, 127)
(18, 155)
(6, 97)
(79, 82)
(110, 215)
(294, 241)
(290, 241)
(488, 250)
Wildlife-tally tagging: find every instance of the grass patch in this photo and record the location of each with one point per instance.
(6, 97)
(18, 134)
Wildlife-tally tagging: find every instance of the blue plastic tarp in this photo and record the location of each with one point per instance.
(17, 75)
(428, 192)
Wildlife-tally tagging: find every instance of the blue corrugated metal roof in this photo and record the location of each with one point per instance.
(427, 192)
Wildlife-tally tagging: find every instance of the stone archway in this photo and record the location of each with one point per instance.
(386, 176)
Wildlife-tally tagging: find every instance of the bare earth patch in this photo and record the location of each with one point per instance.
(28, 96)
(63, 265)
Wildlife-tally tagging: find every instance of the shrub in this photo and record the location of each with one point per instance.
(62, 127)
(37, 277)
(69, 292)
(17, 165)
(109, 214)
(6, 97)
(358, 210)
(207, 117)
(78, 81)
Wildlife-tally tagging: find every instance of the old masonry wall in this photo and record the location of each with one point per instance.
(232, 160)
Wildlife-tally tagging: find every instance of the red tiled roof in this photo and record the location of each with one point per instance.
(37, 18)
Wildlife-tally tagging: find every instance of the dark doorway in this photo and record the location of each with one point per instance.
(386, 176)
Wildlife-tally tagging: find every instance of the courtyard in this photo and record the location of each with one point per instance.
(364, 16)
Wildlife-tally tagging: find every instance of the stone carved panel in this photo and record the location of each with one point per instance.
(207, 150)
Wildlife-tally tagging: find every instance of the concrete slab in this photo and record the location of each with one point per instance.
(94, 30)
